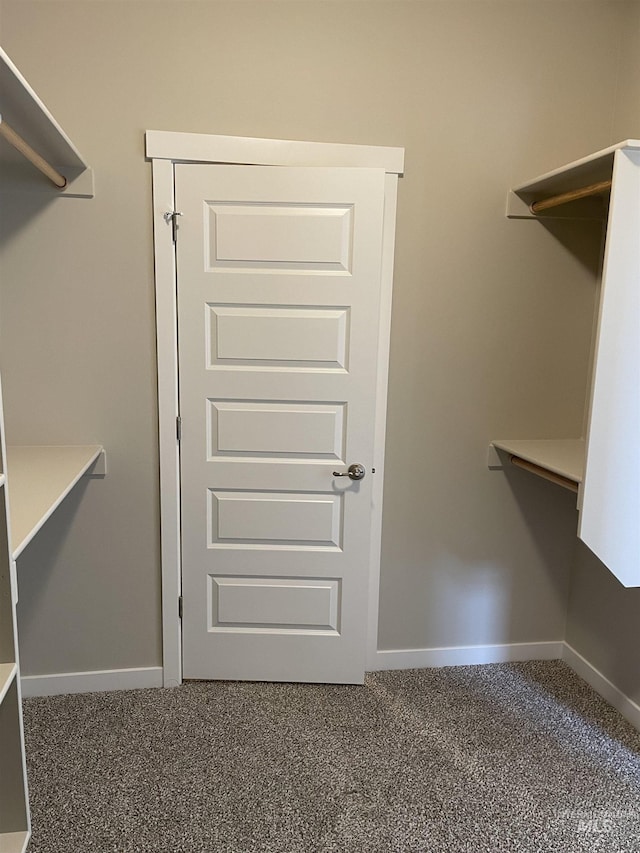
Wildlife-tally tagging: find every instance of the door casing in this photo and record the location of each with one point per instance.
(165, 148)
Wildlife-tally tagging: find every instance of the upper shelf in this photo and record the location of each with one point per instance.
(22, 109)
(589, 170)
(39, 480)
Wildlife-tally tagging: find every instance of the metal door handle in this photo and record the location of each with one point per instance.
(355, 472)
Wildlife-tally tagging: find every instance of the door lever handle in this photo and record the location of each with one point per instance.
(354, 472)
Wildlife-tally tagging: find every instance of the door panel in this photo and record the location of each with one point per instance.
(313, 430)
(292, 520)
(295, 338)
(268, 237)
(278, 304)
(267, 604)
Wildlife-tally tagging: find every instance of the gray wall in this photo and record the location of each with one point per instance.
(626, 123)
(491, 323)
(604, 618)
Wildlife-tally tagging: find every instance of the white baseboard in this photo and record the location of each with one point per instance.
(465, 655)
(469, 655)
(90, 682)
(601, 684)
(128, 679)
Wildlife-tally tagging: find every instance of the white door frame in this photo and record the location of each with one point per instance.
(164, 149)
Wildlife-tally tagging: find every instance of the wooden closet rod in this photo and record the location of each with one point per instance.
(32, 156)
(573, 195)
(558, 479)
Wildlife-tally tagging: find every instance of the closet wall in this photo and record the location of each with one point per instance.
(603, 617)
(627, 111)
(491, 323)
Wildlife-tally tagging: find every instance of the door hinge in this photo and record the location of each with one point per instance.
(179, 607)
(172, 216)
(179, 428)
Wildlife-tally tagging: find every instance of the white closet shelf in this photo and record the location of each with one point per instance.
(563, 456)
(589, 170)
(22, 110)
(7, 674)
(40, 477)
(13, 842)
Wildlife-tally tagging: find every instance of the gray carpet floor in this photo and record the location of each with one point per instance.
(506, 757)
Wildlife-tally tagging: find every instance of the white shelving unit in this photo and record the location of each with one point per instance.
(14, 807)
(604, 465)
(33, 480)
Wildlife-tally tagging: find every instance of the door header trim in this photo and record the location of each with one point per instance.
(206, 148)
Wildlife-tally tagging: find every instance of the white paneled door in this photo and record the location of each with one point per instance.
(279, 274)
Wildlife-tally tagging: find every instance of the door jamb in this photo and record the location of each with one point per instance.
(164, 149)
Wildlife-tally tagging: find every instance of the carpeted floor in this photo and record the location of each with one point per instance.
(506, 757)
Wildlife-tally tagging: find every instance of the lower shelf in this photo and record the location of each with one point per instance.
(560, 460)
(13, 842)
(40, 477)
(7, 674)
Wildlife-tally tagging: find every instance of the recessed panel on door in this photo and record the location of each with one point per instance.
(254, 337)
(273, 237)
(286, 429)
(277, 519)
(274, 605)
